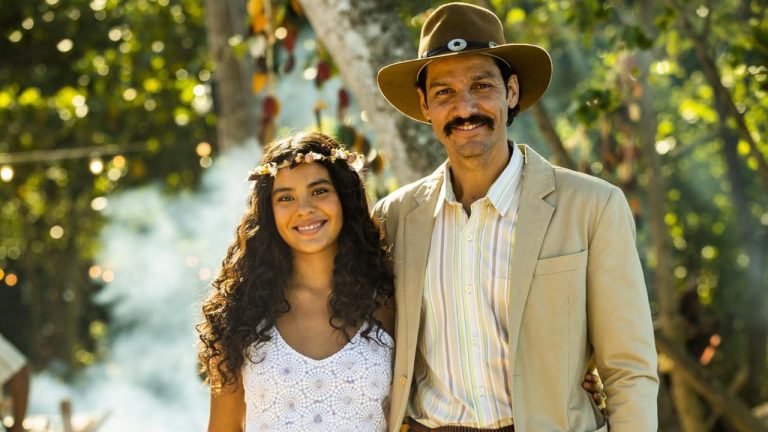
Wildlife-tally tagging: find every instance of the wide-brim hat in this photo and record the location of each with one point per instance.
(456, 29)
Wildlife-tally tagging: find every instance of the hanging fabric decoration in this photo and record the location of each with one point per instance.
(289, 43)
(268, 126)
(296, 7)
(320, 105)
(323, 73)
(343, 104)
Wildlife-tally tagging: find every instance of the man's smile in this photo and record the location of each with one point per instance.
(468, 124)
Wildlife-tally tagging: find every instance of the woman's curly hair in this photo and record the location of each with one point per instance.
(249, 292)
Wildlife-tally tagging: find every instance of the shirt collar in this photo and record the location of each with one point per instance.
(501, 192)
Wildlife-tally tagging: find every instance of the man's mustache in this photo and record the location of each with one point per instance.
(473, 119)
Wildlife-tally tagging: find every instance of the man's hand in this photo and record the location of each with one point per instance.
(593, 385)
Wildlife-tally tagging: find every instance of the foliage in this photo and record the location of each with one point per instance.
(95, 96)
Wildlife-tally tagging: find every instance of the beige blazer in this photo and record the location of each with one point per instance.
(578, 300)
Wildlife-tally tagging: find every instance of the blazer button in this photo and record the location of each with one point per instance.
(403, 380)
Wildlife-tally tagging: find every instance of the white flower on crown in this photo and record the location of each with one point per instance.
(358, 163)
(313, 157)
(340, 154)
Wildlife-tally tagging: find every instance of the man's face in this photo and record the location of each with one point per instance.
(466, 101)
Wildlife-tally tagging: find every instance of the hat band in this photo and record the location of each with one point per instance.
(457, 45)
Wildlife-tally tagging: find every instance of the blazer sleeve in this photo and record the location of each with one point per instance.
(619, 320)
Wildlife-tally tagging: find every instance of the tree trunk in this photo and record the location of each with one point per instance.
(362, 36)
(686, 401)
(750, 236)
(234, 100)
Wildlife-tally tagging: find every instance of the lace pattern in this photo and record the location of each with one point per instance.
(348, 391)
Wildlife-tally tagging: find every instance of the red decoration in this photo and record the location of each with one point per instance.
(323, 73)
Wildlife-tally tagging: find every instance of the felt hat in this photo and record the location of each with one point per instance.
(456, 29)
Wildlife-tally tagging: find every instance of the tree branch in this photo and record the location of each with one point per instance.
(550, 134)
(735, 411)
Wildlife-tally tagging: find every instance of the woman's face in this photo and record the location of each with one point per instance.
(307, 209)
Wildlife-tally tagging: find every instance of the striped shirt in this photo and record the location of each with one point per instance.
(461, 374)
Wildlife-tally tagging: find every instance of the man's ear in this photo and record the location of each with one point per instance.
(423, 104)
(513, 91)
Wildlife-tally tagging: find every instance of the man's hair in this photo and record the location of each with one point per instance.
(506, 73)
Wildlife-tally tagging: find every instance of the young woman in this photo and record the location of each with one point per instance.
(296, 335)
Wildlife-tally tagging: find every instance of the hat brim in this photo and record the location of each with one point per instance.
(531, 64)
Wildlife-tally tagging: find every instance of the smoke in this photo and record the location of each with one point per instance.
(163, 251)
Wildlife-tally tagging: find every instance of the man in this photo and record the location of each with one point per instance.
(15, 372)
(514, 277)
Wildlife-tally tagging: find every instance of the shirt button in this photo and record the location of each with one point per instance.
(469, 237)
(468, 289)
(403, 380)
(481, 391)
(474, 339)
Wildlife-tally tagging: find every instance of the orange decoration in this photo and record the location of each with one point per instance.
(258, 82)
(258, 23)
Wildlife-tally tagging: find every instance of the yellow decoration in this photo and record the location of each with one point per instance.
(255, 7)
(257, 13)
(320, 105)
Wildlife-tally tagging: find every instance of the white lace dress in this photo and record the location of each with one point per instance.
(348, 391)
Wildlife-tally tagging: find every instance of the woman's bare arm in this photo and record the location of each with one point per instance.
(228, 409)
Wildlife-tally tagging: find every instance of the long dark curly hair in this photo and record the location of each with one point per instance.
(248, 292)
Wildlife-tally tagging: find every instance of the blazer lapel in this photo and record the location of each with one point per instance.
(533, 219)
(417, 232)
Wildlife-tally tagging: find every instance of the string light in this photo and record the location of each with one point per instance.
(94, 272)
(99, 203)
(108, 276)
(57, 232)
(203, 149)
(6, 173)
(96, 166)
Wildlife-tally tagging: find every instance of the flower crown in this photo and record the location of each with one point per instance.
(355, 161)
